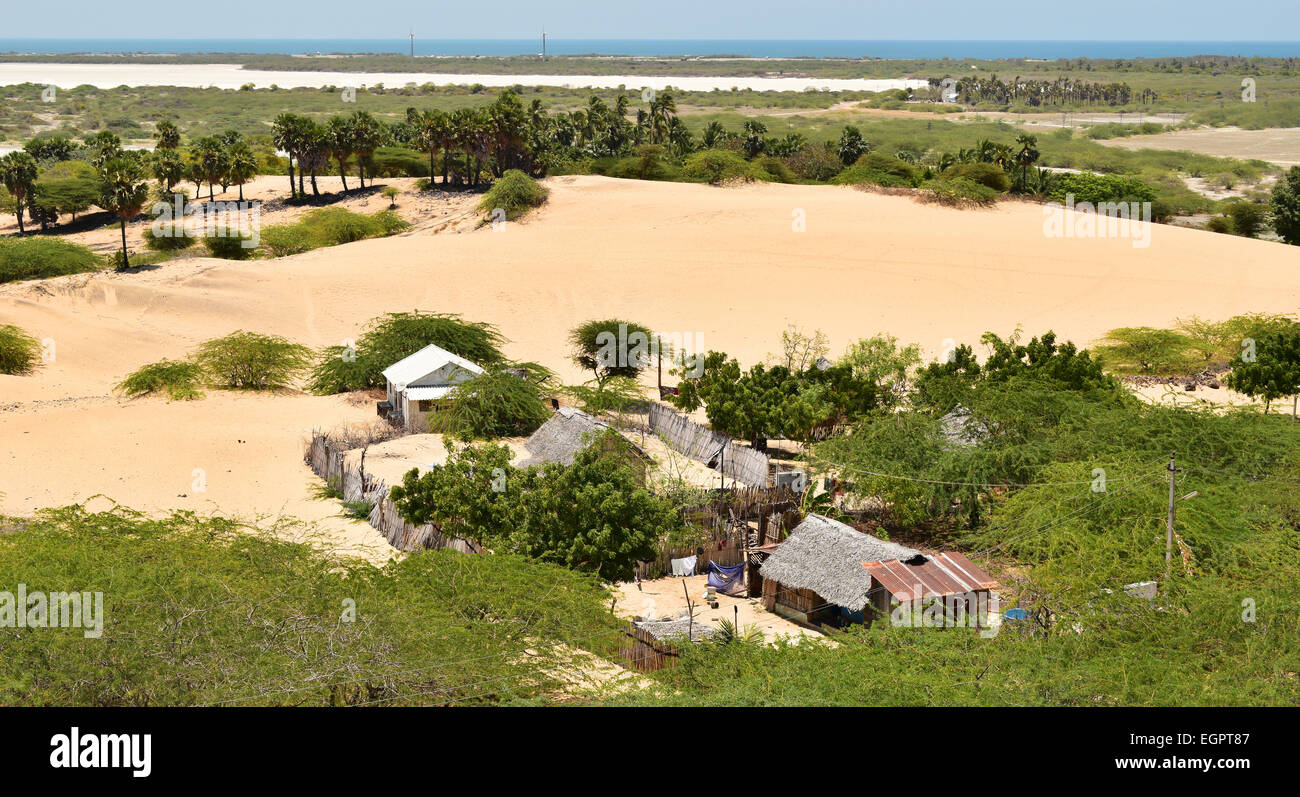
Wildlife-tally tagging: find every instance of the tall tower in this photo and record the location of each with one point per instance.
(543, 44)
(412, 35)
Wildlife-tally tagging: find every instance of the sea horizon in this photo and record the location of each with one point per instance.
(890, 49)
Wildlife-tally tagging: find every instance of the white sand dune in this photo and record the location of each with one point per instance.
(721, 265)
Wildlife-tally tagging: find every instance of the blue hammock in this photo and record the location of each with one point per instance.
(729, 580)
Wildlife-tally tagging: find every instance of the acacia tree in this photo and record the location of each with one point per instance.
(1275, 371)
(594, 515)
(123, 194)
(611, 347)
(18, 174)
(1285, 206)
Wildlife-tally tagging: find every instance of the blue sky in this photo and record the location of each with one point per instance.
(823, 19)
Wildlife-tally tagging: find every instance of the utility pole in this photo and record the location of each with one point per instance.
(1169, 527)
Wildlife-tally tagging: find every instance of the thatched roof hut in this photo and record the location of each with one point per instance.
(569, 431)
(825, 557)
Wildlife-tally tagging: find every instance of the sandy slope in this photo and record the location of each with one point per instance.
(721, 265)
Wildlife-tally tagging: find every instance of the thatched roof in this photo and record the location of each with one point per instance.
(560, 439)
(681, 627)
(826, 556)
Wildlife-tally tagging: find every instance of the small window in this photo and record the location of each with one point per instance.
(425, 405)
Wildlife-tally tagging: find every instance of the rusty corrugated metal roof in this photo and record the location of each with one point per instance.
(937, 577)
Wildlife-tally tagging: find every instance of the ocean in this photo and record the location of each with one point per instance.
(754, 48)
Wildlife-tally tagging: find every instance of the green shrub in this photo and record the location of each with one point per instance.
(281, 240)
(1247, 218)
(1221, 224)
(515, 193)
(19, 352)
(398, 162)
(716, 166)
(777, 170)
(1094, 188)
(229, 247)
(334, 225)
(388, 223)
(251, 361)
(173, 238)
(37, 258)
(497, 403)
(180, 379)
(882, 170)
(1145, 350)
(989, 175)
(959, 192)
(270, 610)
(391, 337)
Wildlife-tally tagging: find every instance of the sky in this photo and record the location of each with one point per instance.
(1198, 20)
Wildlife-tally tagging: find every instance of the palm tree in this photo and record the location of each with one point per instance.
(367, 135)
(1027, 156)
(241, 166)
(210, 155)
(287, 135)
(338, 142)
(315, 153)
(167, 135)
(167, 167)
(124, 193)
(18, 174)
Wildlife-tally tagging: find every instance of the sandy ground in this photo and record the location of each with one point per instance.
(663, 598)
(1280, 145)
(721, 266)
(231, 76)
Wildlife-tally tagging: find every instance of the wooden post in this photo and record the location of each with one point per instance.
(1169, 526)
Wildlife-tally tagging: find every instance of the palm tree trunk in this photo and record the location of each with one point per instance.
(343, 176)
(292, 192)
(241, 192)
(20, 218)
(125, 263)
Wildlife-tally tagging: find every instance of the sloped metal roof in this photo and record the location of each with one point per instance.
(936, 577)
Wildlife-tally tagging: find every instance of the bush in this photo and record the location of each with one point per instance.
(1094, 188)
(515, 193)
(882, 170)
(19, 352)
(228, 247)
(1247, 218)
(720, 165)
(37, 258)
(497, 403)
(1144, 350)
(777, 171)
(959, 192)
(989, 175)
(173, 238)
(1221, 224)
(398, 162)
(815, 162)
(270, 609)
(391, 337)
(330, 226)
(179, 379)
(251, 361)
(281, 240)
